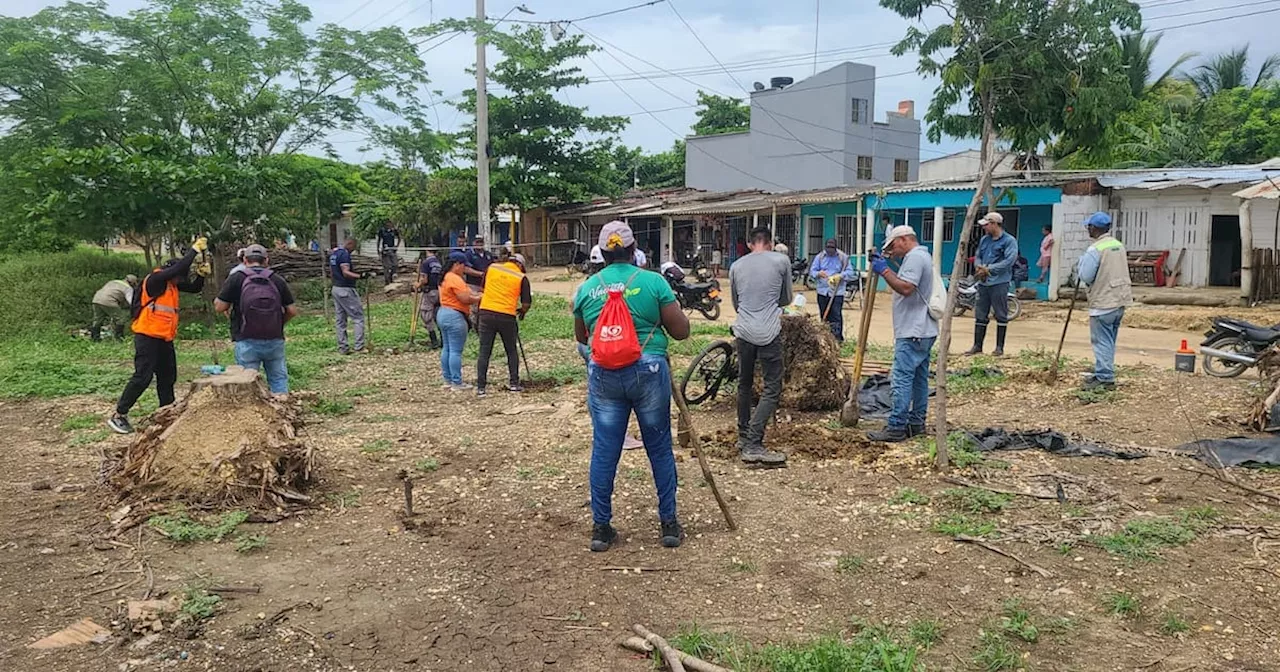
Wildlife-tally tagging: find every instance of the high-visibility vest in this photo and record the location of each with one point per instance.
(502, 284)
(158, 318)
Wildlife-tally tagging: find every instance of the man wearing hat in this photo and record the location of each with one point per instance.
(832, 268)
(259, 304)
(914, 332)
(111, 306)
(478, 260)
(996, 253)
(1104, 267)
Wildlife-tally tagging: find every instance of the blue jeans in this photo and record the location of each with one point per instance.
(453, 331)
(612, 394)
(910, 381)
(1103, 330)
(269, 354)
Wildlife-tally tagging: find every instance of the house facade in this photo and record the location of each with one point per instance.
(813, 134)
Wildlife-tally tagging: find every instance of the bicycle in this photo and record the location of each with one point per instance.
(715, 367)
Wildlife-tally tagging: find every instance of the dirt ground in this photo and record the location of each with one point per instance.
(498, 576)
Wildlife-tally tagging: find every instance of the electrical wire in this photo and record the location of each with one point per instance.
(1212, 9)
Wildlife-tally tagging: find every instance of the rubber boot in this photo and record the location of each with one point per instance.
(119, 332)
(95, 333)
(1000, 334)
(435, 339)
(979, 335)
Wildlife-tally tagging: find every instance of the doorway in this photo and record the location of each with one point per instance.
(1224, 251)
(814, 232)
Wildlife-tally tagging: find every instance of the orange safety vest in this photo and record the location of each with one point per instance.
(158, 317)
(502, 288)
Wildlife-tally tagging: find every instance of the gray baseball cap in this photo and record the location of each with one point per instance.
(255, 251)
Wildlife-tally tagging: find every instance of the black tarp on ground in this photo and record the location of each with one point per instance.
(1237, 451)
(995, 438)
(875, 397)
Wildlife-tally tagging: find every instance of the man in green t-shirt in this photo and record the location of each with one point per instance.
(643, 387)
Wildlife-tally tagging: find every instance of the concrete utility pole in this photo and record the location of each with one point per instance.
(482, 131)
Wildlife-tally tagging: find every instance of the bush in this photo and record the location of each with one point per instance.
(56, 289)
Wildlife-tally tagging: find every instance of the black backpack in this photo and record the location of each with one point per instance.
(1021, 269)
(261, 309)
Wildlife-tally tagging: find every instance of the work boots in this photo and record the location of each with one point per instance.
(1001, 332)
(979, 335)
(95, 333)
(435, 339)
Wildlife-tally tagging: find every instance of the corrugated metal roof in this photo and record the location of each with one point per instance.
(1266, 189)
(747, 203)
(1201, 178)
(966, 185)
(817, 196)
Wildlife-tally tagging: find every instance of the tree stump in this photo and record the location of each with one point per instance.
(226, 441)
(813, 377)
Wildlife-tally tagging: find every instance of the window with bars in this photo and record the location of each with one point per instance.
(785, 232)
(926, 226)
(900, 170)
(948, 226)
(844, 232)
(860, 111)
(864, 168)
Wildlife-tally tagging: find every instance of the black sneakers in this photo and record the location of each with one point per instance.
(915, 430)
(890, 435)
(758, 455)
(1092, 384)
(515, 387)
(120, 424)
(603, 536)
(672, 533)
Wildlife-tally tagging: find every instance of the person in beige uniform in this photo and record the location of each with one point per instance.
(111, 306)
(1104, 267)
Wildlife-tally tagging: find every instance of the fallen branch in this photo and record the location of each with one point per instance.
(965, 539)
(669, 655)
(1272, 572)
(642, 646)
(637, 570)
(968, 484)
(122, 584)
(235, 589)
(1236, 616)
(1222, 476)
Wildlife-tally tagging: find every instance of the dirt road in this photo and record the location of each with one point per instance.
(1135, 346)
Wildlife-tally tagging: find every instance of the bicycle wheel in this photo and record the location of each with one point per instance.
(706, 373)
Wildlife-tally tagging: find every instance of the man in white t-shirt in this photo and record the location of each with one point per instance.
(642, 261)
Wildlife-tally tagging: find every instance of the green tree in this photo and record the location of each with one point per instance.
(720, 114)
(1023, 70)
(1231, 71)
(1137, 51)
(1243, 125)
(421, 204)
(637, 170)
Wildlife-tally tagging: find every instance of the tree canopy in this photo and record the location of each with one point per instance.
(720, 114)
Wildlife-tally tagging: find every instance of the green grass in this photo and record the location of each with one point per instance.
(1173, 624)
(975, 500)
(870, 650)
(1143, 539)
(925, 633)
(961, 452)
(995, 654)
(1041, 359)
(53, 290)
(1121, 605)
(331, 407)
(362, 391)
(956, 524)
(742, 566)
(250, 543)
(198, 604)
(427, 465)
(850, 564)
(1098, 396)
(1016, 620)
(181, 528)
(86, 438)
(909, 496)
(376, 447)
(80, 421)
(976, 378)
(345, 500)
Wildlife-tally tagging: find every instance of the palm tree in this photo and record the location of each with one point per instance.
(1137, 50)
(1231, 71)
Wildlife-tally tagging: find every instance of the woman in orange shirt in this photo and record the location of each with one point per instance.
(455, 297)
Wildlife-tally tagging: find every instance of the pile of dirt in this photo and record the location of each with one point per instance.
(813, 378)
(226, 441)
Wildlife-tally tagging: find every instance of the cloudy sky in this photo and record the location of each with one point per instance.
(755, 39)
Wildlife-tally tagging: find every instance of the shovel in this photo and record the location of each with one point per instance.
(851, 412)
(1053, 369)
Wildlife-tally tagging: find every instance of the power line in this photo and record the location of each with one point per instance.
(1212, 9)
(1217, 20)
(787, 59)
(590, 16)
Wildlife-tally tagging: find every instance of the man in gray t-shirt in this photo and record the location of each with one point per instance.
(760, 285)
(914, 331)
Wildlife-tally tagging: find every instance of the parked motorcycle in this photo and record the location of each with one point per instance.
(800, 273)
(703, 297)
(1232, 346)
(968, 298)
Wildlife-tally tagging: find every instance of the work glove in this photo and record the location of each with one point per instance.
(834, 281)
(203, 270)
(982, 273)
(201, 244)
(879, 265)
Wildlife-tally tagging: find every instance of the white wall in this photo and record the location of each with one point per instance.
(1068, 217)
(710, 160)
(960, 164)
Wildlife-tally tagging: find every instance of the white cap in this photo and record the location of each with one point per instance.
(897, 232)
(993, 217)
(596, 256)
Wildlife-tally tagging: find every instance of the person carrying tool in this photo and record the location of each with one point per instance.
(914, 332)
(832, 267)
(111, 306)
(346, 298)
(627, 314)
(507, 297)
(997, 251)
(259, 304)
(430, 271)
(155, 325)
(760, 286)
(388, 242)
(1104, 267)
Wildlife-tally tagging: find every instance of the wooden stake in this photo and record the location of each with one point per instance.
(851, 412)
(417, 304)
(669, 655)
(686, 422)
(1053, 368)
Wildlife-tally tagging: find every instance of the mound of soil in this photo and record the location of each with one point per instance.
(226, 441)
(813, 378)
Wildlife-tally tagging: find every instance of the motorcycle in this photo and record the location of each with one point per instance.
(1232, 346)
(703, 297)
(967, 298)
(800, 273)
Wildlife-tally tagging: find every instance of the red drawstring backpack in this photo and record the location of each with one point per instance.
(614, 343)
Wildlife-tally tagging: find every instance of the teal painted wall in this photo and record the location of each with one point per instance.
(828, 212)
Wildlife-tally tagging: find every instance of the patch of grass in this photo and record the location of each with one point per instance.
(85, 438)
(466, 441)
(956, 524)
(994, 654)
(80, 421)
(1200, 518)
(524, 473)
(1142, 539)
(331, 407)
(427, 465)
(1121, 604)
(634, 474)
(1041, 359)
(925, 633)
(198, 604)
(181, 528)
(976, 500)
(1064, 548)
(961, 452)
(850, 564)
(376, 447)
(1173, 624)
(872, 649)
(721, 648)
(362, 391)
(743, 566)
(1016, 620)
(250, 543)
(909, 496)
(551, 471)
(979, 377)
(345, 500)
(1098, 396)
